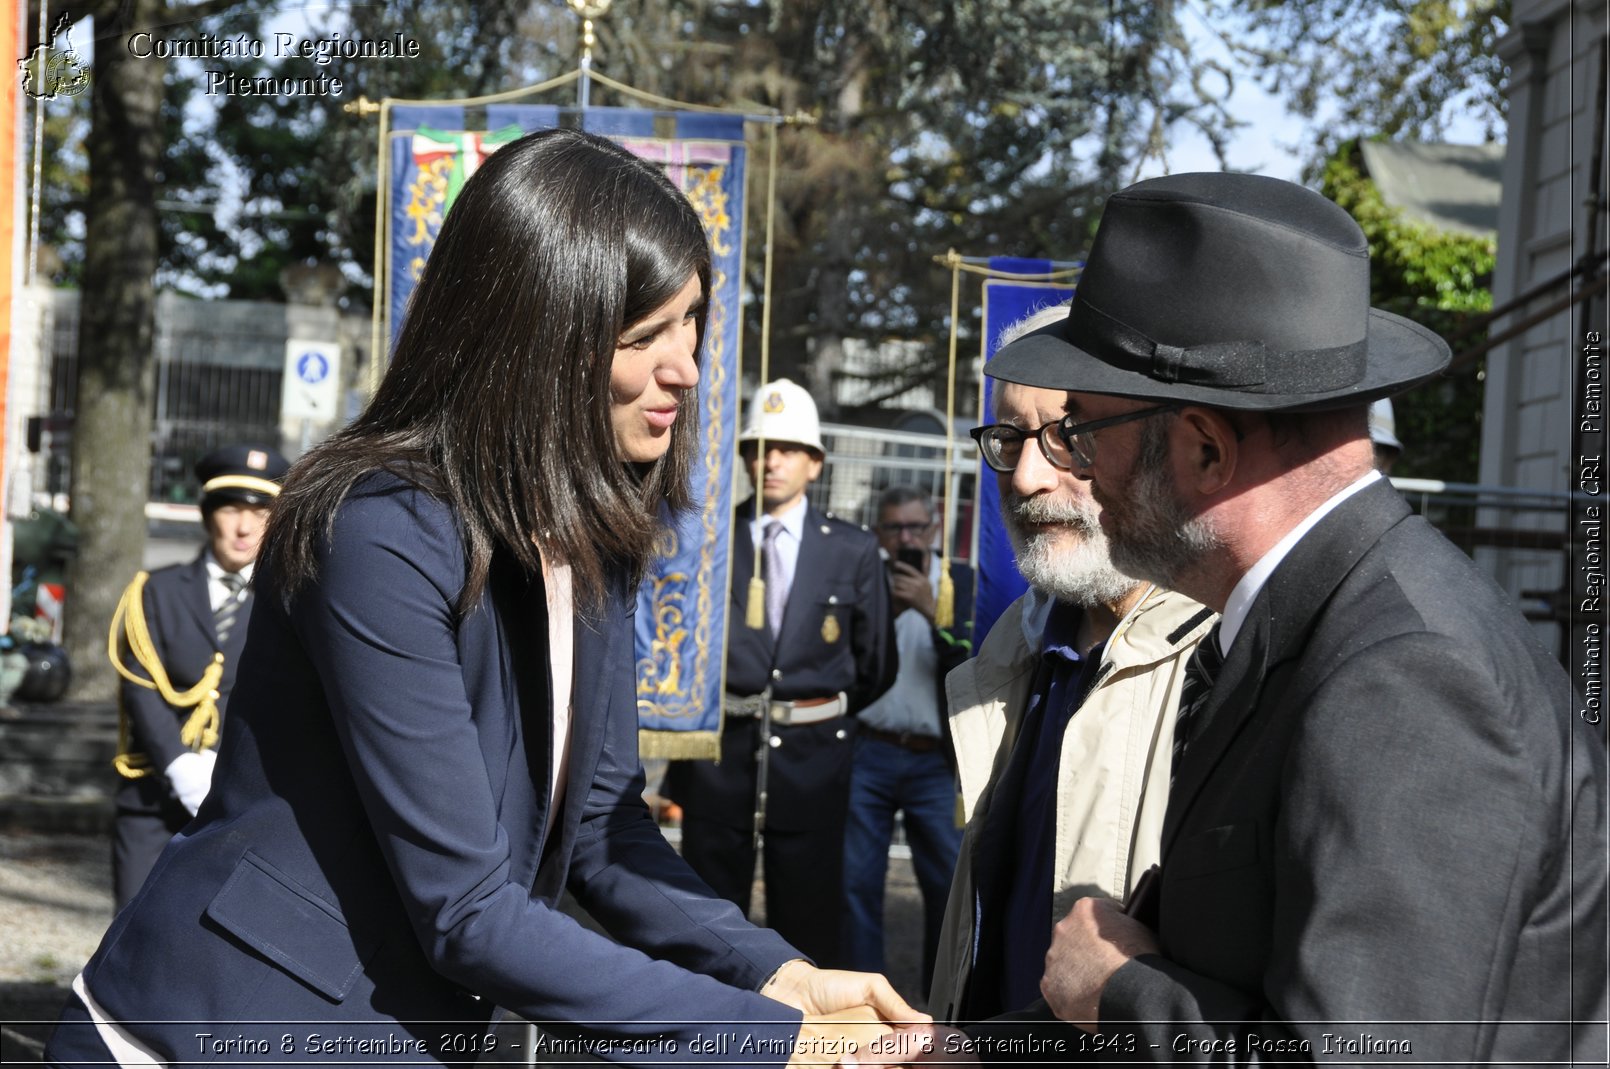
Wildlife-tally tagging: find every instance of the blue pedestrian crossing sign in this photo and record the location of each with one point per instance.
(312, 388)
(312, 368)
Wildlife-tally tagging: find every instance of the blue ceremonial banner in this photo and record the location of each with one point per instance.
(682, 607)
(1005, 302)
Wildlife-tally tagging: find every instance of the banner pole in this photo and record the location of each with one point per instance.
(588, 10)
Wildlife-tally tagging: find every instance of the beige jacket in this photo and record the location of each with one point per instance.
(1112, 783)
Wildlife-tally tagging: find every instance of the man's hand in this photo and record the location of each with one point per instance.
(827, 991)
(911, 589)
(1091, 943)
(919, 1044)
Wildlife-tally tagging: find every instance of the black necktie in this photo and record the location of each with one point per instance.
(223, 617)
(1200, 673)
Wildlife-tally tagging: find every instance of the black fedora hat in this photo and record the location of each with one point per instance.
(240, 475)
(1228, 290)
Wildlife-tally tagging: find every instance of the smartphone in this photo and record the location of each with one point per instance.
(913, 556)
(1142, 901)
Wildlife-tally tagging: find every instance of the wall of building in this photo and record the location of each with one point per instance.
(1546, 225)
(218, 379)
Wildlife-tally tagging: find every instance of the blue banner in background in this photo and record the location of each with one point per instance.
(1005, 303)
(682, 608)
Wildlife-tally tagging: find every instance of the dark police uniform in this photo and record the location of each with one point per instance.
(172, 618)
(837, 637)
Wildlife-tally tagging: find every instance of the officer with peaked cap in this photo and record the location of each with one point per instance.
(179, 632)
(822, 651)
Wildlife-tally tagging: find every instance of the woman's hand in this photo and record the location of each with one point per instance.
(825, 1039)
(815, 991)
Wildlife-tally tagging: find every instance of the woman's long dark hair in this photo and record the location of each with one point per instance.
(497, 399)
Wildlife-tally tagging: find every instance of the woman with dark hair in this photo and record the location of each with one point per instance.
(433, 732)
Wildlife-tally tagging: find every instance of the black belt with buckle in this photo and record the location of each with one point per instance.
(906, 740)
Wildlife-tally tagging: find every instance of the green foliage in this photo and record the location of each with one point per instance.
(1439, 279)
(988, 127)
(991, 128)
(308, 166)
(1365, 68)
(64, 186)
(303, 168)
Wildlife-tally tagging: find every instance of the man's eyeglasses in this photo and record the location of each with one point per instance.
(917, 529)
(1002, 445)
(1080, 438)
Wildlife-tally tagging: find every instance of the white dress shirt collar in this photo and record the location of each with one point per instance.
(217, 592)
(216, 570)
(793, 522)
(788, 544)
(1240, 600)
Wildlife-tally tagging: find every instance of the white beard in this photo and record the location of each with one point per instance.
(1071, 563)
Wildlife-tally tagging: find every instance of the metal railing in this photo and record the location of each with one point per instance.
(218, 375)
(1518, 537)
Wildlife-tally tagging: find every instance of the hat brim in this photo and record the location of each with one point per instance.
(1399, 354)
(234, 495)
(751, 435)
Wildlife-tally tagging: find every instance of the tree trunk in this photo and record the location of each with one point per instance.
(111, 457)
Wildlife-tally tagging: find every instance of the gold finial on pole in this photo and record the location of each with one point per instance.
(362, 106)
(588, 10)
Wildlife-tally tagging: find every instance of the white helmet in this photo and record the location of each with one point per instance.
(783, 412)
(1383, 426)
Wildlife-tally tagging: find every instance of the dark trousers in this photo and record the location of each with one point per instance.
(137, 839)
(804, 872)
(888, 778)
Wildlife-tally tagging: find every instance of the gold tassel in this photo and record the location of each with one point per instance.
(679, 745)
(945, 609)
(200, 729)
(755, 611)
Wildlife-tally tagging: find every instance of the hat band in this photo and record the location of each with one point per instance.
(241, 482)
(1246, 366)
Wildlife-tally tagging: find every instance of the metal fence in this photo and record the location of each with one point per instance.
(1518, 537)
(219, 367)
(862, 462)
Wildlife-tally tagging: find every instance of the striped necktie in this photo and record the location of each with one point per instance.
(1200, 673)
(224, 616)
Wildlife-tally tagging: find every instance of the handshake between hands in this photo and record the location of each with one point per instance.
(856, 1018)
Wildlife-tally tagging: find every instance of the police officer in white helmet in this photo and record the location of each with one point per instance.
(803, 658)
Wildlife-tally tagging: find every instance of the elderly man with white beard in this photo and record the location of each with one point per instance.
(1063, 723)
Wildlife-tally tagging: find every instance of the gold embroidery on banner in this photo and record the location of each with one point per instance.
(664, 691)
(660, 673)
(428, 201)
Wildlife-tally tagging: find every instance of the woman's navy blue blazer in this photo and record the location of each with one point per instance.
(371, 864)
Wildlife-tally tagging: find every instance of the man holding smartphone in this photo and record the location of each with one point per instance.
(903, 757)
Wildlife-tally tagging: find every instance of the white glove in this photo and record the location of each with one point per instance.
(190, 776)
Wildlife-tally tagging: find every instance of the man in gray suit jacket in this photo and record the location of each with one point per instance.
(1386, 833)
